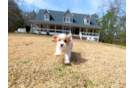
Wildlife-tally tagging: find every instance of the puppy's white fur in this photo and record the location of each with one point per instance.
(64, 48)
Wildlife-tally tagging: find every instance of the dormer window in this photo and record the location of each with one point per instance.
(46, 16)
(67, 19)
(87, 21)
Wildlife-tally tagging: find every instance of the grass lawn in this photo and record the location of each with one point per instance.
(31, 63)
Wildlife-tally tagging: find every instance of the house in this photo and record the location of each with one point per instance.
(56, 22)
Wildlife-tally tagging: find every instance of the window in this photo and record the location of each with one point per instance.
(87, 21)
(67, 19)
(46, 16)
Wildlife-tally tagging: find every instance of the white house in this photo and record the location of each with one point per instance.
(56, 22)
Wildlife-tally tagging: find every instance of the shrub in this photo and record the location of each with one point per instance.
(39, 32)
(47, 32)
(29, 32)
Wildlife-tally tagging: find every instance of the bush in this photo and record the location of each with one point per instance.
(39, 32)
(47, 32)
(29, 32)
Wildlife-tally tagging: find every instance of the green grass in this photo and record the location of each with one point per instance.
(58, 69)
(64, 66)
(25, 62)
(88, 84)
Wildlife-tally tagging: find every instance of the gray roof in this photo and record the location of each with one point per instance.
(57, 18)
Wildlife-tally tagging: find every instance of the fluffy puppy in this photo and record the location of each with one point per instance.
(64, 44)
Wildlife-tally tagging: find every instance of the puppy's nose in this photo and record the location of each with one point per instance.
(61, 45)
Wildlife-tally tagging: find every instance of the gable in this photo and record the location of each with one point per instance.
(68, 14)
(88, 17)
(68, 11)
(46, 12)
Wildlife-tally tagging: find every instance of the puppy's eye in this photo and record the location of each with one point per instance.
(59, 39)
(65, 41)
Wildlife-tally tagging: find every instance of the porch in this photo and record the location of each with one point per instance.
(55, 29)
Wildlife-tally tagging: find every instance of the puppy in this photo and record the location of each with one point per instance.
(64, 44)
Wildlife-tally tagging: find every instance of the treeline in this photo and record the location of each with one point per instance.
(17, 18)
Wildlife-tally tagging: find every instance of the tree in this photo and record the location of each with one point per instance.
(29, 16)
(113, 24)
(15, 18)
(109, 29)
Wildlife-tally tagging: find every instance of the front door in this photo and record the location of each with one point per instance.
(75, 31)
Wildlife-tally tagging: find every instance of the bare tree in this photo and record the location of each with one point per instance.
(101, 7)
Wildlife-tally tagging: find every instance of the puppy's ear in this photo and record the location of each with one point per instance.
(69, 36)
(54, 38)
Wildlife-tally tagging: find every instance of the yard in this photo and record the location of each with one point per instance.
(31, 63)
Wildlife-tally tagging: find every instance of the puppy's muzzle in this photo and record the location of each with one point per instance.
(61, 45)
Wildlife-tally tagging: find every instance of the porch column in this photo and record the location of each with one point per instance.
(80, 34)
(86, 30)
(98, 36)
(55, 28)
(38, 27)
(80, 31)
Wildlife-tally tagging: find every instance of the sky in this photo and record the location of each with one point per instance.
(75, 6)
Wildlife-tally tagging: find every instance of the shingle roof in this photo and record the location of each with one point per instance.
(57, 18)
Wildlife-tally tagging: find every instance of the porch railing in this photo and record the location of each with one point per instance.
(89, 35)
(51, 31)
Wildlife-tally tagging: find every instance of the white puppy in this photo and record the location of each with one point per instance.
(64, 44)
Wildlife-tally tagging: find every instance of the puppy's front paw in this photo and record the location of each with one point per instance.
(67, 63)
(57, 54)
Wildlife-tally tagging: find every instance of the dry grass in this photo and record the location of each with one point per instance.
(31, 63)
